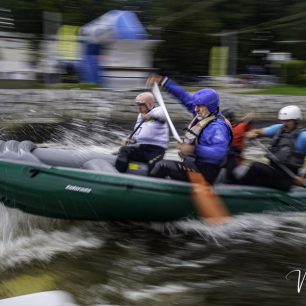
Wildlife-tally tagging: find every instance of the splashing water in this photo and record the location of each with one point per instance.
(180, 263)
(25, 238)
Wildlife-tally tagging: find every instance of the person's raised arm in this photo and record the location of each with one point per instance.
(173, 88)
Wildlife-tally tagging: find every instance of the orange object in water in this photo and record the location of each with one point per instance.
(208, 205)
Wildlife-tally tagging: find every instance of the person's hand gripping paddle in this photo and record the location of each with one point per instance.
(208, 204)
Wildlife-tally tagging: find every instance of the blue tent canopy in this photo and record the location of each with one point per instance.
(113, 25)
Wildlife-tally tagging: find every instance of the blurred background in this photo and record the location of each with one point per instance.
(69, 74)
(248, 49)
(117, 43)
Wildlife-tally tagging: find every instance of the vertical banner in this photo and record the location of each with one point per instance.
(218, 61)
(68, 42)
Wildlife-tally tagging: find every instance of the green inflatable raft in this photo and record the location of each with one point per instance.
(76, 184)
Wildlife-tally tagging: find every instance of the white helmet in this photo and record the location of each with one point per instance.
(291, 112)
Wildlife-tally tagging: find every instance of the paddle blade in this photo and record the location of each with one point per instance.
(208, 204)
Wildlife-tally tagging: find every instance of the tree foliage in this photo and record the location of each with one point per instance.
(188, 28)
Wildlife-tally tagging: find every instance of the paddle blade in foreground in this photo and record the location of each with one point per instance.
(208, 205)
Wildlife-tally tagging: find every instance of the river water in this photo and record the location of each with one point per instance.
(184, 263)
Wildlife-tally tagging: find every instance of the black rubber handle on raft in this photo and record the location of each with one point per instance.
(33, 172)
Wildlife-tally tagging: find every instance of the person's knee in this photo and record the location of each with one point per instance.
(159, 169)
(156, 167)
(121, 164)
(122, 160)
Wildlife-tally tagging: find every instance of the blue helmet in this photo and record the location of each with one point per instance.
(207, 97)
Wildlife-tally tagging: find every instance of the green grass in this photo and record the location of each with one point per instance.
(273, 90)
(278, 90)
(70, 86)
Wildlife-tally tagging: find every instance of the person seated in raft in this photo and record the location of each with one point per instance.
(240, 128)
(207, 139)
(288, 145)
(151, 135)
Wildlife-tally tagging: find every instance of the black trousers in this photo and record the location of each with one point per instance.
(231, 164)
(233, 160)
(149, 154)
(265, 175)
(178, 170)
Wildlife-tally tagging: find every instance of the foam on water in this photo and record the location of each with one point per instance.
(154, 291)
(248, 228)
(25, 238)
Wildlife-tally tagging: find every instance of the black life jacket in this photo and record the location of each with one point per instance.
(283, 147)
